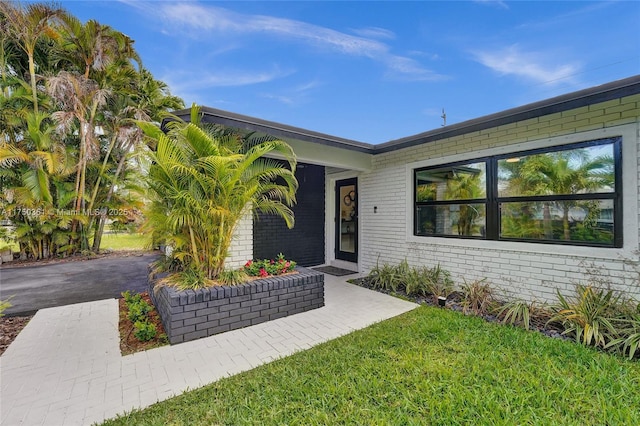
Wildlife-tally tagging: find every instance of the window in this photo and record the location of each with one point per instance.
(562, 195)
(451, 200)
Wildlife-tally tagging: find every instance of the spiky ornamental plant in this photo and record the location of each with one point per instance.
(588, 315)
(202, 185)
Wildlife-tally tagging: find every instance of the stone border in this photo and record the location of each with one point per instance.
(192, 314)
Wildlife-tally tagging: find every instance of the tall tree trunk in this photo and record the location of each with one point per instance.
(34, 88)
(97, 237)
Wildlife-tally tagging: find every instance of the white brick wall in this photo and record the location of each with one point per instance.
(242, 246)
(523, 270)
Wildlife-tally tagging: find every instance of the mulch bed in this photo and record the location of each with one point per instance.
(129, 343)
(454, 302)
(10, 327)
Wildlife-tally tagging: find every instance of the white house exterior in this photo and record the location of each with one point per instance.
(378, 225)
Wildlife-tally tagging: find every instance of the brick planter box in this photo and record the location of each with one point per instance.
(192, 314)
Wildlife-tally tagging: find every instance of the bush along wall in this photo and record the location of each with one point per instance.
(192, 314)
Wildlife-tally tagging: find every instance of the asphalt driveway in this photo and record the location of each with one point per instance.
(43, 286)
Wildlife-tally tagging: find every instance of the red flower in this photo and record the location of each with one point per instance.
(263, 273)
(248, 264)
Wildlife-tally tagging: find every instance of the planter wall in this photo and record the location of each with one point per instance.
(192, 314)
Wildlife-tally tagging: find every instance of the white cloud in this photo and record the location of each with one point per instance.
(280, 98)
(495, 3)
(295, 95)
(409, 69)
(186, 81)
(419, 53)
(199, 21)
(533, 66)
(573, 15)
(375, 32)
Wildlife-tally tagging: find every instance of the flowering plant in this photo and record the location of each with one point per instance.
(266, 267)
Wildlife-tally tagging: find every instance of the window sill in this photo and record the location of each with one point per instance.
(532, 248)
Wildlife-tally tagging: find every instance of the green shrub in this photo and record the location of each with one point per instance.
(189, 279)
(629, 332)
(438, 282)
(477, 297)
(139, 311)
(415, 281)
(131, 298)
(137, 306)
(145, 331)
(515, 312)
(232, 276)
(588, 314)
(389, 277)
(524, 314)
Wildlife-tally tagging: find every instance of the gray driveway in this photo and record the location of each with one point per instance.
(36, 287)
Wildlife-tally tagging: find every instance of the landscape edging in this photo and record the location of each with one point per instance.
(192, 314)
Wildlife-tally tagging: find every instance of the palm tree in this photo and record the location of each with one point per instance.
(92, 46)
(88, 65)
(149, 100)
(79, 99)
(28, 25)
(201, 185)
(36, 164)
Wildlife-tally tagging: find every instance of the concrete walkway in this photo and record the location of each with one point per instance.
(65, 368)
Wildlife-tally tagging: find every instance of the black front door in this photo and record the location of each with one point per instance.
(347, 220)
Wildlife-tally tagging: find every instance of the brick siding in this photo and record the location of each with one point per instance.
(192, 314)
(304, 243)
(523, 270)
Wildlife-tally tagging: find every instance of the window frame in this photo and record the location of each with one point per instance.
(493, 201)
(450, 202)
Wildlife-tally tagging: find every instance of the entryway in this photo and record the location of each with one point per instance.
(346, 214)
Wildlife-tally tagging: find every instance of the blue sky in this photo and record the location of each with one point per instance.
(375, 71)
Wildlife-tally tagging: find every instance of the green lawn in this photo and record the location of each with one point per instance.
(123, 241)
(429, 366)
(117, 242)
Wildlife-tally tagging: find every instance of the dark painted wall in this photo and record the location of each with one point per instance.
(305, 242)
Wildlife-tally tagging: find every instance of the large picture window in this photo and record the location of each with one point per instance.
(563, 195)
(451, 200)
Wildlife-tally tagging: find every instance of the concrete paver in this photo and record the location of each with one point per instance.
(65, 367)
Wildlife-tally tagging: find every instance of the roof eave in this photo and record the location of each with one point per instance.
(617, 89)
(279, 130)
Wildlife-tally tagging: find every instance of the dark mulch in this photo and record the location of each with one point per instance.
(454, 302)
(10, 327)
(129, 343)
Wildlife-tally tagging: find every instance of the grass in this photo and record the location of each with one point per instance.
(117, 242)
(123, 241)
(429, 366)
